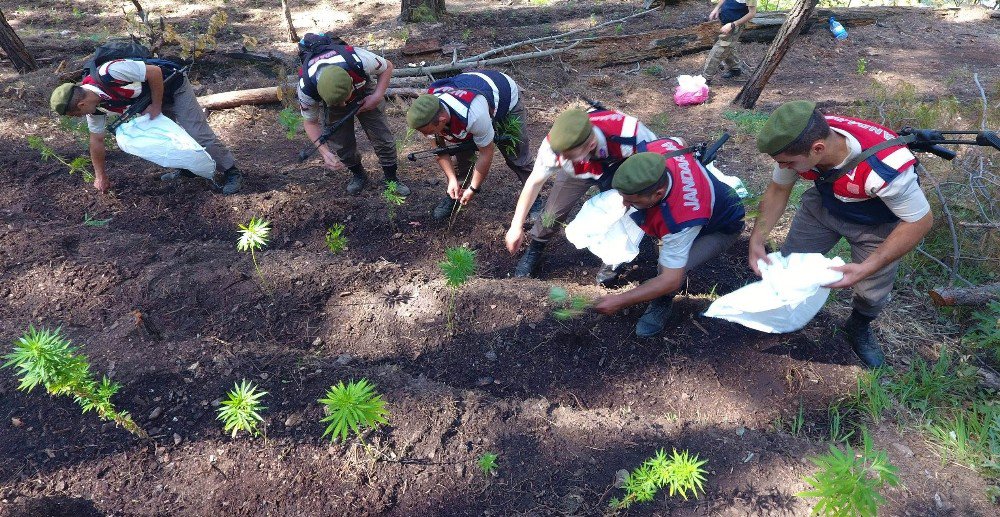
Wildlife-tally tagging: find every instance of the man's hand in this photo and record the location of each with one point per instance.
(330, 161)
(757, 252)
(466, 196)
(153, 110)
(726, 28)
(515, 235)
(714, 15)
(102, 183)
(609, 304)
(853, 273)
(454, 189)
(370, 102)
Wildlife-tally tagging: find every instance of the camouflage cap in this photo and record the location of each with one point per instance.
(334, 85)
(639, 172)
(571, 129)
(784, 126)
(61, 97)
(422, 111)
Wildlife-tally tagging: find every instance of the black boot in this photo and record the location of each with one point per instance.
(606, 275)
(862, 339)
(358, 180)
(390, 175)
(228, 182)
(177, 174)
(732, 73)
(444, 208)
(655, 318)
(530, 260)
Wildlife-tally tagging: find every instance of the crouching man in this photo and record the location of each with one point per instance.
(695, 216)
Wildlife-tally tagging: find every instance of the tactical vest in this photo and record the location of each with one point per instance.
(335, 55)
(619, 132)
(117, 95)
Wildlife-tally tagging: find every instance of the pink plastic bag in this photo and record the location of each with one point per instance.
(691, 89)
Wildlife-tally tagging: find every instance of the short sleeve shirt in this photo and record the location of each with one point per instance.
(128, 70)
(675, 247)
(373, 64)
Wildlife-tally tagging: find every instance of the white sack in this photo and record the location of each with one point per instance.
(789, 294)
(732, 181)
(164, 143)
(604, 227)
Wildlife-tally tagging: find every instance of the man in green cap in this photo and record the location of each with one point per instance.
(473, 106)
(113, 86)
(695, 215)
(865, 191)
(332, 77)
(583, 149)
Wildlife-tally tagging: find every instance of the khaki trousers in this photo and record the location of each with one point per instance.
(375, 125)
(188, 114)
(723, 52)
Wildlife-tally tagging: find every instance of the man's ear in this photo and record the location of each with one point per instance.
(818, 147)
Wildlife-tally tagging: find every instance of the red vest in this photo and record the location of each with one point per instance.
(618, 129)
(690, 193)
(342, 56)
(116, 95)
(458, 103)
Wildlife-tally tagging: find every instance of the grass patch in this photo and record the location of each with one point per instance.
(747, 122)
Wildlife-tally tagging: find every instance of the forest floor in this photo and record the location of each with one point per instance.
(162, 301)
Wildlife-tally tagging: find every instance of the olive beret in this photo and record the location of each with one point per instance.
(571, 129)
(784, 126)
(334, 85)
(639, 172)
(61, 97)
(422, 111)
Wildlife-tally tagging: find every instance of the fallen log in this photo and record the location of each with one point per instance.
(271, 95)
(977, 295)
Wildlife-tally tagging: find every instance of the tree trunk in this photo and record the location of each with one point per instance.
(14, 48)
(978, 295)
(272, 95)
(292, 35)
(798, 16)
(421, 10)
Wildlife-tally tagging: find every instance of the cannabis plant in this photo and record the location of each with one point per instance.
(291, 120)
(336, 241)
(45, 358)
(569, 306)
(392, 199)
(458, 266)
(848, 482)
(355, 407)
(680, 472)
(253, 237)
(508, 134)
(79, 164)
(241, 409)
(487, 463)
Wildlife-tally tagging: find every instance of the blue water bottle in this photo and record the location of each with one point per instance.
(837, 29)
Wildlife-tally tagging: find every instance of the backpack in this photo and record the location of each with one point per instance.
(313, 44)
(112, 50)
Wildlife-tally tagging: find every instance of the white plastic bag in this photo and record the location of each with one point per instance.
(732, 181)
(691, 89)
(789, 294)
(164, 143)
(604, 227)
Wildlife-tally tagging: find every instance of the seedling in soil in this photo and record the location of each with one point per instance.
(291, 120)
(96, 223)
(681, 473)
(848, 483)
(241, 409)
(392, 199)
(488, 463)
(79, 164)
(572, 306)
(44, 357)
(458, 266)
(253, 237)
(355, 407)
(336, 241)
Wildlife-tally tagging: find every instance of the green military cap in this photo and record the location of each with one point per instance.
(571, 129)
(422, 111)
(784, 126)
(639, 172)
(61, 97)
(334, 85)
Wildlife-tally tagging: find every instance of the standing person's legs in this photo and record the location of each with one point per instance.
(729, 60)
(517, 154)
(810, 232)
(188, 114)
(376, 127)
(721, 51)
(345, 144)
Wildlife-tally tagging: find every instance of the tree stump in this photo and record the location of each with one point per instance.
(14, 48)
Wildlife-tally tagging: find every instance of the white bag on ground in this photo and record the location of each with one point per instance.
(789, 294)
(732, 181)
(164, 143)
(604, 227)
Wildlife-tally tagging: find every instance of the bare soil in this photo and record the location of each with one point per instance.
(163, 302)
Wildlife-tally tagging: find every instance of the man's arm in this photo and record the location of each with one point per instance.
(668, 281)
(154, 76)
(97, 153)
(903, 238)
(534, 184)
(314, 130)
(372, 101)
(479, 171)
(772, 205)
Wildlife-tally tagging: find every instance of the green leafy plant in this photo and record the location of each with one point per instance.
(872, 396)
(241, 409)
(798, 421)
(570, 306)
(79, 164)
(970, 436)
(254, 237)
(291, 120)
(336, 241)
(355, 407)
(749, 122)
(849, 482)
(862, 65)
(655, 70)
(839, 431)
(45, 358)
(487, 463)
(984, 335)
(458, 266)
(422, 13)
(509, 133)
(96, 223)
(392, 199)
(681, 473)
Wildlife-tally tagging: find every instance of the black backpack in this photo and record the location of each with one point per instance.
(312, 44)
(112, 50)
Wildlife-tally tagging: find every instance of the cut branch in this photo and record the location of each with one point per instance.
(271, 95)
(977, 295)
(461, 65)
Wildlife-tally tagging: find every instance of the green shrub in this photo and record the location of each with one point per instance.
(849, 482)
(353, 407)
(241, 409)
